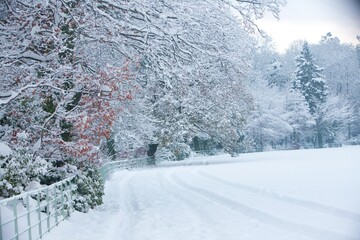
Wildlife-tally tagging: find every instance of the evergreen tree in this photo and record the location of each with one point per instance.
(309, 80)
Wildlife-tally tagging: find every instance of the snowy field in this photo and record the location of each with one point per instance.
(305, 194)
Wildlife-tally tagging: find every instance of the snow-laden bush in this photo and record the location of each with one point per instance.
(164, 154)
(19, 170)
(174, 152)
(89, 191)
(354, 141)
(180, 150)
(59, 170)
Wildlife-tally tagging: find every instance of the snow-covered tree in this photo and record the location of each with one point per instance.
(267, 126)
(298, 116)
(276, 75)
(51, 90)
(331, 117)
(201, 88)
(342, 74)
(330, 113)
(309, 80)
(288, 59)
(133, 130)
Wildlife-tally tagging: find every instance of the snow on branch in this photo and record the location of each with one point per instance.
(14, 94)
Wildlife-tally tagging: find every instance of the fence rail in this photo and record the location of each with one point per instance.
(107, 169)
(30, 215)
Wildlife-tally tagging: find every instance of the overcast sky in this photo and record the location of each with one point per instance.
(311, 19)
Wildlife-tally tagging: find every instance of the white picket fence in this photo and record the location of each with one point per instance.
(30, 215)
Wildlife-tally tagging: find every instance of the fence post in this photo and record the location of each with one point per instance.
(16, 221)
(28, 216)
(39, 212)
(70, 194)
(48, 209)
(62, 200)
(55, 206)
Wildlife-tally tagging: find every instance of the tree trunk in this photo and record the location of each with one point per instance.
(320, 138)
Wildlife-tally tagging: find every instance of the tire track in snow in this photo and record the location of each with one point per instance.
(261, 215)
(329, 210)
(140, 195)
(131, 206)
(149, 202)
(187, 200)
(184, 199)
(205, 221)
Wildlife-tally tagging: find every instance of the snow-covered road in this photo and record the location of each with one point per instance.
(307, 194)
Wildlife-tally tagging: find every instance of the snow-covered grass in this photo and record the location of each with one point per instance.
(303, 194)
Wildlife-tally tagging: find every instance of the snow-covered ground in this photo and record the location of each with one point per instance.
(305, 194)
